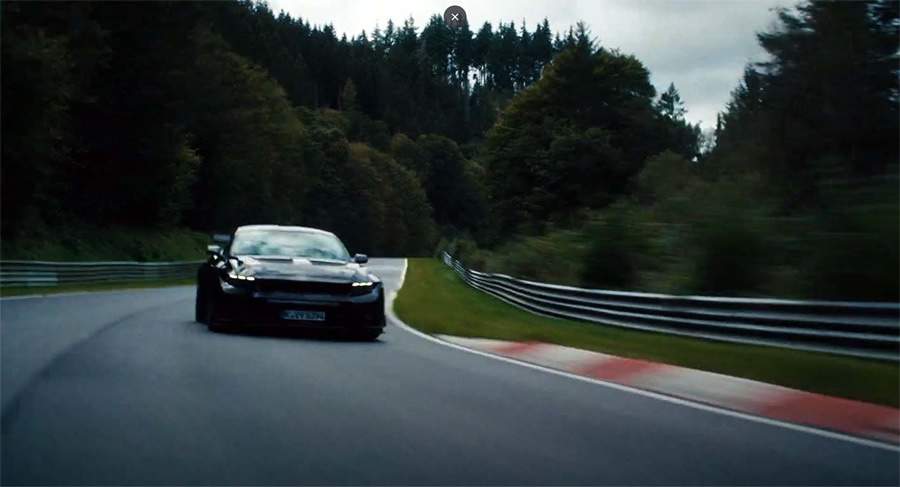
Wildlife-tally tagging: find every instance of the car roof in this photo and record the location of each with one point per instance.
(287, 228)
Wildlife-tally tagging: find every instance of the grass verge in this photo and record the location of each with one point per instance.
(104, 286)
(79, 242)
(435, 300)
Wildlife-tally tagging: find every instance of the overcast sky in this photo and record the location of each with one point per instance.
(700, 45)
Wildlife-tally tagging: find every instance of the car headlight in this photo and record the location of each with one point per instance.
(239, 277)
(361, 288)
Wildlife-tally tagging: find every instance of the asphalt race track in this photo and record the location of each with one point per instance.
(124, 387)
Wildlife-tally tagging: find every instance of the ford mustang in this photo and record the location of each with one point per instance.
(289, 277)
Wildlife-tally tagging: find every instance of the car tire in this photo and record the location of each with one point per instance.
(209, 312)
(200, 305)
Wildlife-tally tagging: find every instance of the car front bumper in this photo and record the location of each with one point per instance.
(251, 307)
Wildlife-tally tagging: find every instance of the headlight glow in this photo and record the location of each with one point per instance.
(239, 277)
(363, 284)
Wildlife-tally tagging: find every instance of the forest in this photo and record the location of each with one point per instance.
(519, 148)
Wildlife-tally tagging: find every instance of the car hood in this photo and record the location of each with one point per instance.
(298, 269)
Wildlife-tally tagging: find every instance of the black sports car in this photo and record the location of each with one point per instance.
(289, 276)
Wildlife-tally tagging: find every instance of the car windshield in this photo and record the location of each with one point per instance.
(289, 243)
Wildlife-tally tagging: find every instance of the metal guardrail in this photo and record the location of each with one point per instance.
(42, 273)
(861, 329)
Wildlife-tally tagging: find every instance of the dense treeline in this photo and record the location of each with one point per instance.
(577, 137)
(798, 196)
(209, 115)
(548, 156)
(812, 136)
(147, 115)
(416, 80)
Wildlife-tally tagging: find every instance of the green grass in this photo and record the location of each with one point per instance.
(435, 300)
(105, 286)
(79, 242)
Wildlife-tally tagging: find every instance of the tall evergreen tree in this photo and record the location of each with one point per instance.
(670, 105)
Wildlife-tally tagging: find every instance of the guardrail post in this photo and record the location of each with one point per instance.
(42, 273)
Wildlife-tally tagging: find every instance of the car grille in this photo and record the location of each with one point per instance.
(302, 287)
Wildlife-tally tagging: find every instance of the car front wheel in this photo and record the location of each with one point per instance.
(207, 310)
(200, 305)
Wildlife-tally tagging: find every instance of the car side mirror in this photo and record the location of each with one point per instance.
(214, 250)
(360, 258)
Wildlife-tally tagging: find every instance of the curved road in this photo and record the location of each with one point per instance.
(124, 387)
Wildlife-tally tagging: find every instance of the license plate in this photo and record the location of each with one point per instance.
(298, 315)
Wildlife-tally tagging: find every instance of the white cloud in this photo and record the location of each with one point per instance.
(700, 45)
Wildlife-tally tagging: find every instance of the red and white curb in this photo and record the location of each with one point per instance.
(748, 396)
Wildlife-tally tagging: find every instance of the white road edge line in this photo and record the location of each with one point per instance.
(662, 397)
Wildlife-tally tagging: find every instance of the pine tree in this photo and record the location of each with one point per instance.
(670, 104)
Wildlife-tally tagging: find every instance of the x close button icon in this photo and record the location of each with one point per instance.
(455, 16)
